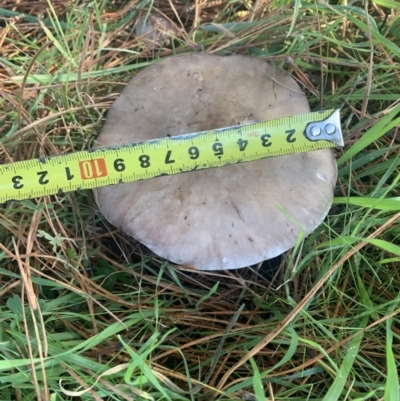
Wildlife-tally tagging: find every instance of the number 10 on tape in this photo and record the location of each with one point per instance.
(95, 168)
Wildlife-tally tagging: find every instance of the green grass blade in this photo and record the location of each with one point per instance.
(366, 159)
(335, 392)
(344, 11)
(257, 383)
(349, 240)
(391, 46)
(392, 388)
(387, 3)
(64, 51)
(392, 204)
(212, 291)
(385, 124)
(385, 245)
(297, 5)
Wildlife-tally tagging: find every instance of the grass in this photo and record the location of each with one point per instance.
(88, 314)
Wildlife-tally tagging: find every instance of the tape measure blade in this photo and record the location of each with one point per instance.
(164, 156)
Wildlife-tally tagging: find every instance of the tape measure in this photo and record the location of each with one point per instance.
(171, 155)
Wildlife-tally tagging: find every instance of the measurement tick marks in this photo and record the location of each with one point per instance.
(171, 155)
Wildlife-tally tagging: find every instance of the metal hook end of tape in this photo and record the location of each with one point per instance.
(328, 129)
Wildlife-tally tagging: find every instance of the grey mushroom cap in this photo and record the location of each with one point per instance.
(227, 217)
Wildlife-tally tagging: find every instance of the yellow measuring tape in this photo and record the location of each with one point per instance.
(170, 155)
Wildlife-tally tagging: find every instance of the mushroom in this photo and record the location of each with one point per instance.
(220, 218)
(155, 28)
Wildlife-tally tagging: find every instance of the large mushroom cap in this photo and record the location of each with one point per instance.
(221, 218)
